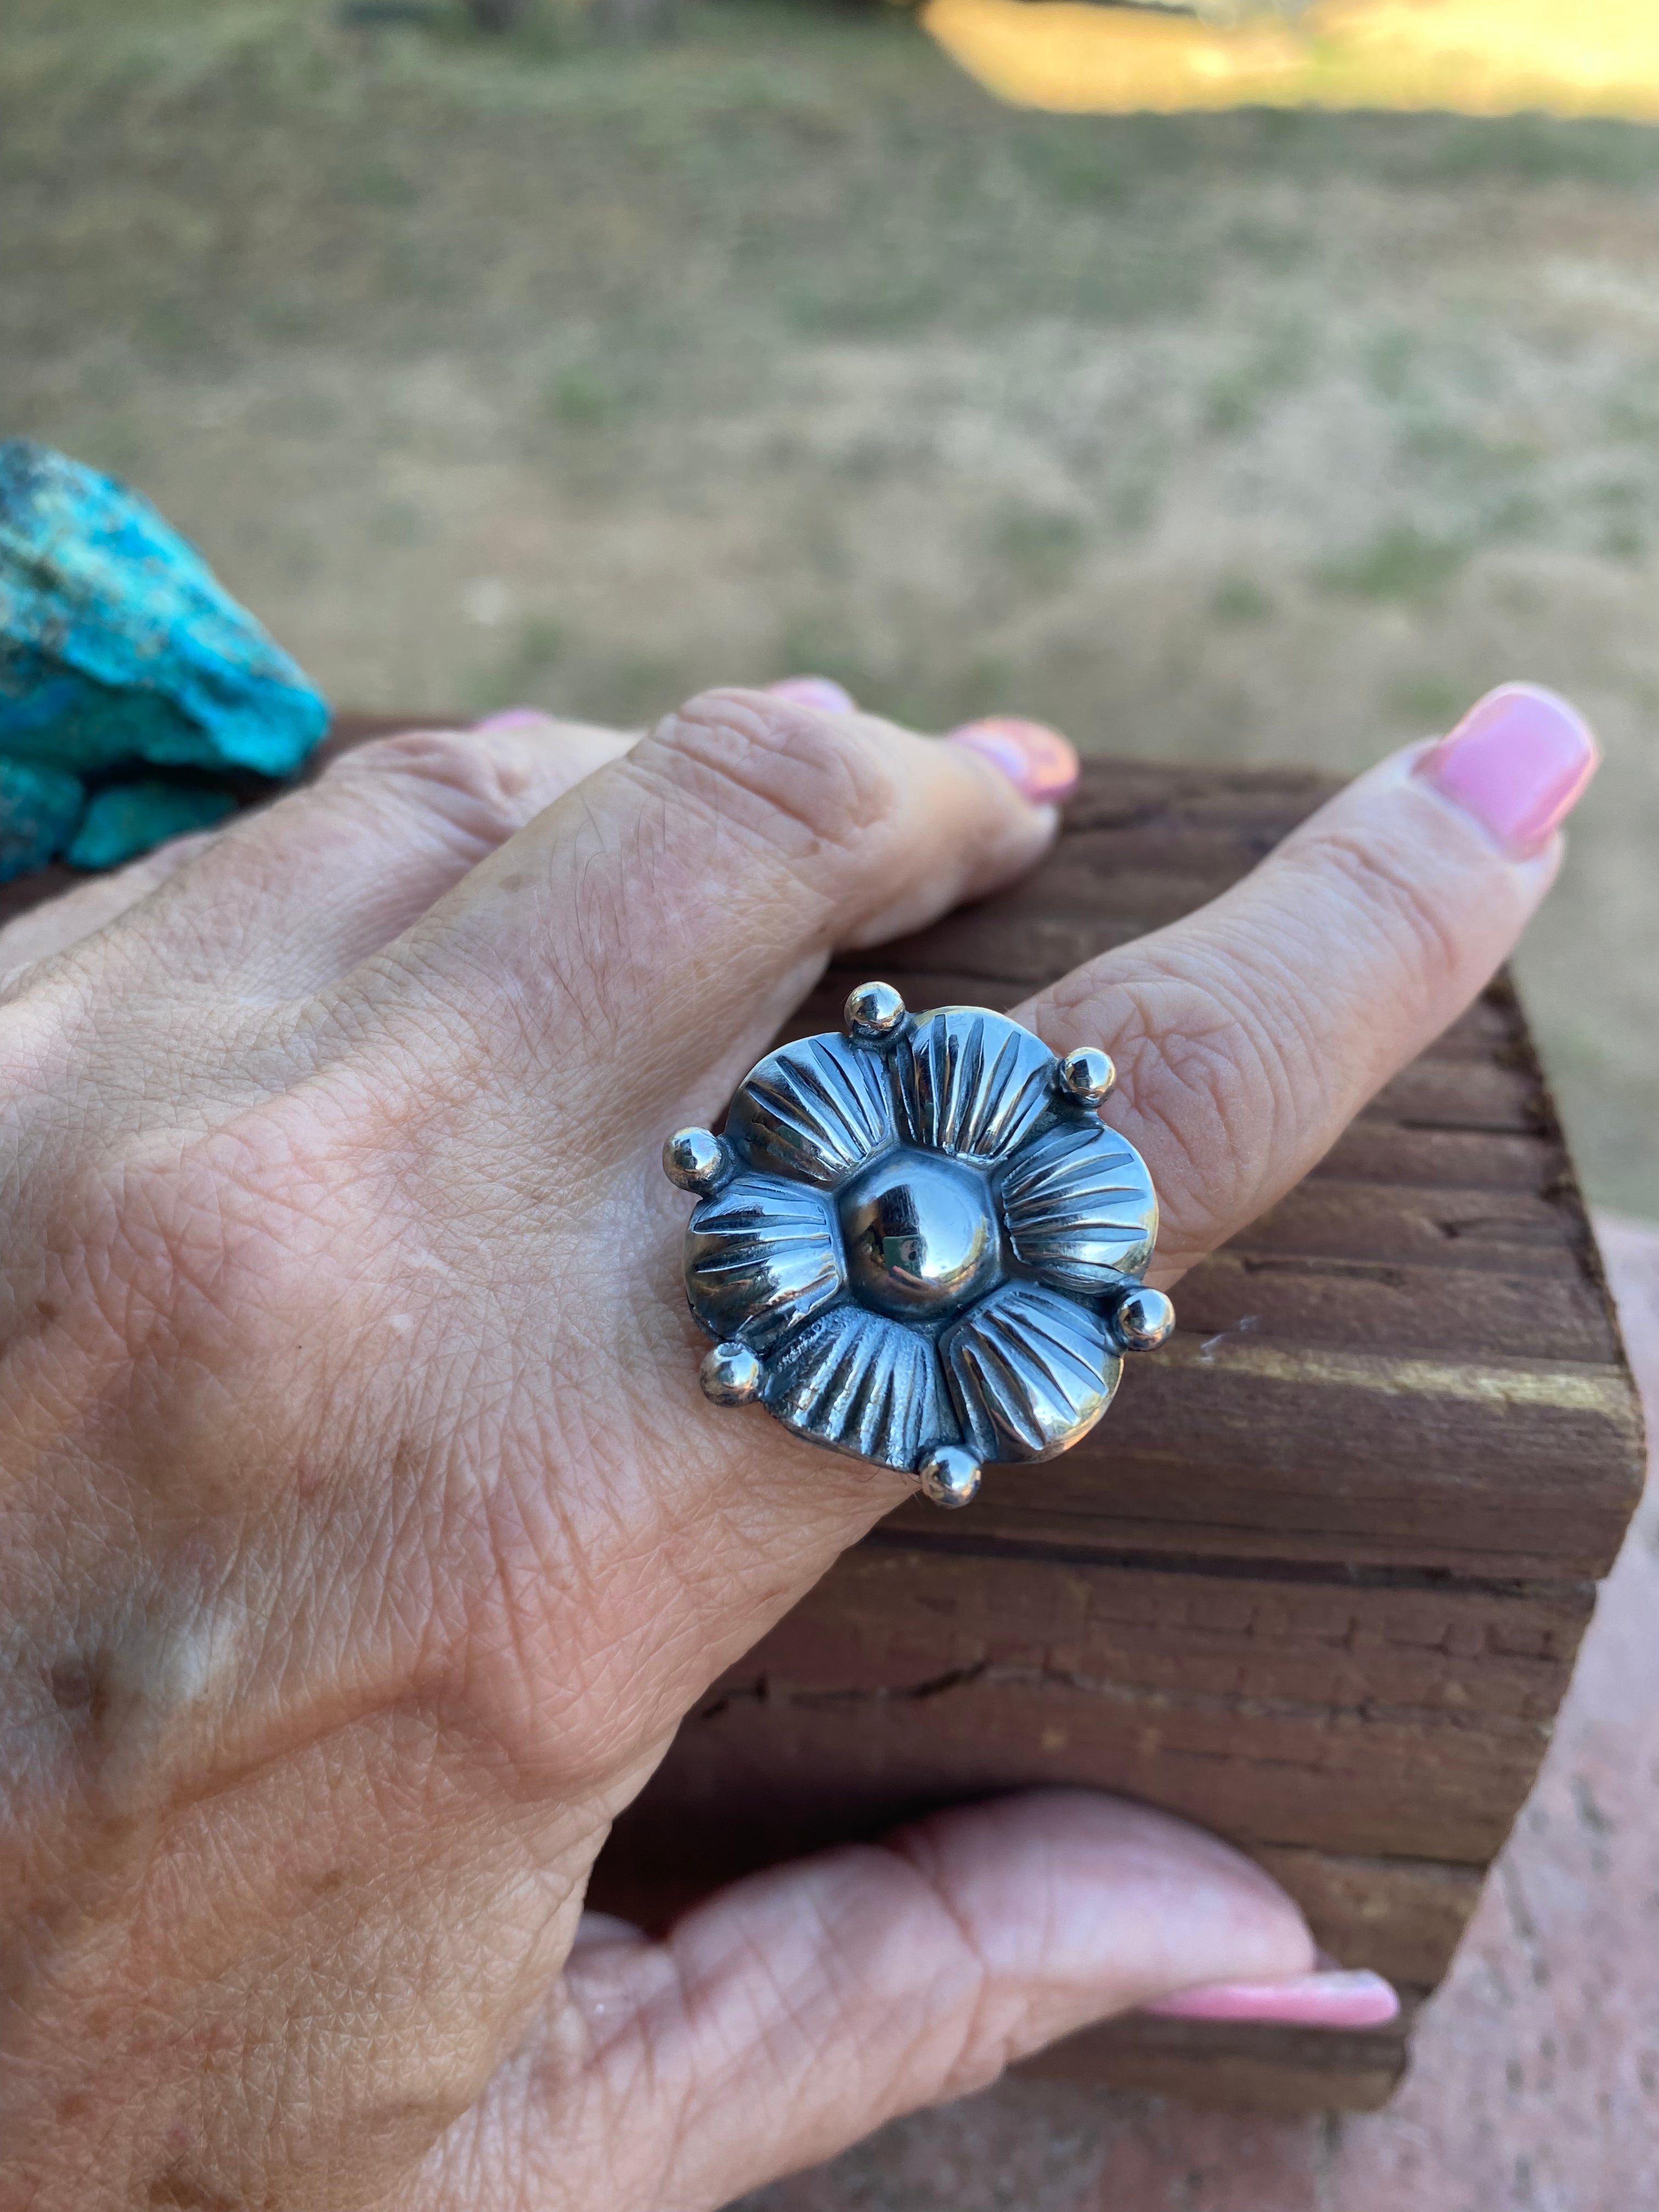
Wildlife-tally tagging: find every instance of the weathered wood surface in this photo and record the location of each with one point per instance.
(1317, 1580)
(1275, 2070)
(1382, 1720)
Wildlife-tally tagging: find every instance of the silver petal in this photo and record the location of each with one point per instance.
(973, 1083)
(1030, 1370)
(762, 1256)
(813, 1110)
(1080, 1209)
(861, 1384)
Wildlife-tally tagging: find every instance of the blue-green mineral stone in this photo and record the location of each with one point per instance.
(117, 642)
(125, 819)
(39, 810)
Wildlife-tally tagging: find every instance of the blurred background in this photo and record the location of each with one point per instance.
(551, 367)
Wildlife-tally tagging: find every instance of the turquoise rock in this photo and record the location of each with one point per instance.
(125, 819)
(39, 810)
(118, 643)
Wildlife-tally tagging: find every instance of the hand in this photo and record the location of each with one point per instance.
(365, 1535)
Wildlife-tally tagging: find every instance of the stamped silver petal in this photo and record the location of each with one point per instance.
(972, 1082)
(1031, 1372)
(813, 1110)
(1080, 1209)
(761, 1257)
(862, 1383)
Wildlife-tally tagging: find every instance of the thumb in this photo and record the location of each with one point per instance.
(805, 2006)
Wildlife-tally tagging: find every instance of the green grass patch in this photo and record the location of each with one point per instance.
(1036, 549)
(1240, 601)
(1427, 699)
(1402, 562)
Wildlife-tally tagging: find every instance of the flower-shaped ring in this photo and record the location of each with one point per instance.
(918, 1243)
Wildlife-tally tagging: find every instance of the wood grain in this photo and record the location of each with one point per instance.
(1390, 1721)
(1278, 2072)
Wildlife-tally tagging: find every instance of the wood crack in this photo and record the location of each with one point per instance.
(763, 1690)
(1304, 1573)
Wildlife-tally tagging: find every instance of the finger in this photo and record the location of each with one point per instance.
(60, 921)
(1247, 1037)
(285, 900)
(820, 691)
(806, 2006)
(675, 912)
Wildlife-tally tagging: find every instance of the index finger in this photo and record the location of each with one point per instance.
(1248, 1034)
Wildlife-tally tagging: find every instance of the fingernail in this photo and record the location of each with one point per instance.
(1518, 761)
(1037, 759)
(1360, 1999)
(513, 718)
(820, 691)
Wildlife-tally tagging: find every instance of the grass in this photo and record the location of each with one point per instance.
(1037, 550)
(781, 157)
(1401, 562)
(488, 369)
(1240, 600)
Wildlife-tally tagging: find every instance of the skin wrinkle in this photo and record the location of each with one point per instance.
(1260, 1101)
(1165, 1072)
(79, 913)
(689, 2014)
(420, 767)
(967, 2070)
(399, 858)
(833, 795)
(1386, 893)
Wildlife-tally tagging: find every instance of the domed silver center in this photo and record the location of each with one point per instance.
(919, 1232)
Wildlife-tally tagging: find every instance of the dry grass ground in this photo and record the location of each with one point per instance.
(489, 371)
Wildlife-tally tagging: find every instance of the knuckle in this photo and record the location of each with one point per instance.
(969, 2028)
(1213, 1093)
(481, 788)
(800, 785)
(1399, 911)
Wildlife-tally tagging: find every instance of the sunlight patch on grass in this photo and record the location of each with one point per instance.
(1472, 56)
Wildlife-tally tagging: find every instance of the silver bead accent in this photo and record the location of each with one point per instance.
(916, 1245)
(694, 1160)
(1143, 1320)
(874, 1012)
(730, 1375)
(948, 1476)
(1087, 1075)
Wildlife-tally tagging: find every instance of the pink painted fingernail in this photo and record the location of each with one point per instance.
(820, 691)
(1327, 1999)
(1518, 761)
(1037, 759)
(513, 718)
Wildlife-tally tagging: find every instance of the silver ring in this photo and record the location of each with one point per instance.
(917, 1242)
